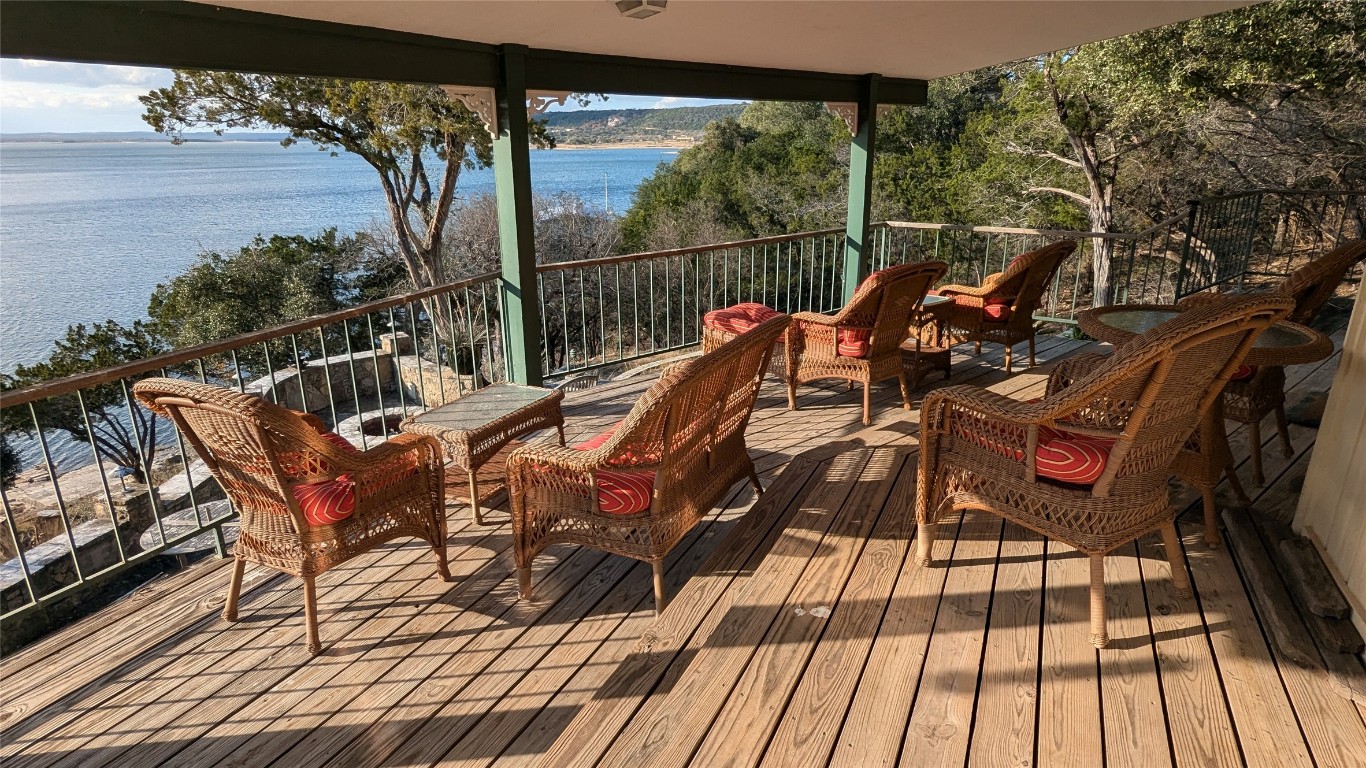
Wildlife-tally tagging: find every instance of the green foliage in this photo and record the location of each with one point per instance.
(122, 434)
(267, 283)
(9, 463)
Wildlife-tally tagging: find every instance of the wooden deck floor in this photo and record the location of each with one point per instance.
(800, 633)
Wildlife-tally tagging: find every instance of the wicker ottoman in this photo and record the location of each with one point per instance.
(721, 325)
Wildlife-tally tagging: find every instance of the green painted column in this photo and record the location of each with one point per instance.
(857, 247)
(516, 228)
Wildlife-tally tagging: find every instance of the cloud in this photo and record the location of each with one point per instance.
(33, 96)
(81, 75)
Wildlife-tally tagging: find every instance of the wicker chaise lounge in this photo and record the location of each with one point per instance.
(861, 343)
(1258, 391)
(1001, 309)
(1088, 464)
(308, 500)
(638, 488)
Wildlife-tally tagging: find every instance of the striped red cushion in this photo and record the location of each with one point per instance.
(739, 318)
(597, 441)
(997, 309)
(1071, 458)
(327, 502)
(1063, 456)
(852, 342)
(625, 493)
(339, 441)
(1244, 373)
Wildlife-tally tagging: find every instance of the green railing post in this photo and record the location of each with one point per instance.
(1192, 209)
(856, 231)
(516, 228)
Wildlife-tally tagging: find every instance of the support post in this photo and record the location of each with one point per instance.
(857, 248)
(516, 228)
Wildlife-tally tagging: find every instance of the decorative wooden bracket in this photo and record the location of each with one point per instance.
(848, 112)
(480, 101)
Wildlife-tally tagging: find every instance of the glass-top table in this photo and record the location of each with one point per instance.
(478, 428)
(1284, 343)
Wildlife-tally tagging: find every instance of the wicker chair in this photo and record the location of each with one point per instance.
(1256, 392)
(1001, 310)
(638, 488)
(1088, 464)
(862, 343)
(274, 464)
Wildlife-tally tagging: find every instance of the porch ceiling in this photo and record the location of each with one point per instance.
(921, 39)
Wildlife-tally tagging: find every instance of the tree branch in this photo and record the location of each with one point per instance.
(1083, 199)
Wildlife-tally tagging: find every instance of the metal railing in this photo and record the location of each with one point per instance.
(365, 368)
(605, 312)
(362, 370)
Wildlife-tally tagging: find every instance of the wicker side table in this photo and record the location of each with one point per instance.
(479, 429)
(925, 351)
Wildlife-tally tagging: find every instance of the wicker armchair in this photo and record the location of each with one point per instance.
(638, 488)
(862, 342)
(1088, 464)
(308, 500)
(1001, 310)
(1255, 392)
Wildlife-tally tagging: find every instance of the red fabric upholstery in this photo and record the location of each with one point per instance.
(1063, 456)
(619, 492)
(1244, 373)
(997, 309)
(328, 501)
(739, 318)
(852, 342)
(624, 493)
(1071, 458)
(339, 441)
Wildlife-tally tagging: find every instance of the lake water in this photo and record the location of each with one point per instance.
(87, 230)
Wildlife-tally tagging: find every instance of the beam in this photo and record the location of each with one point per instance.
(516, 227)
(196, 36)
(856, 250)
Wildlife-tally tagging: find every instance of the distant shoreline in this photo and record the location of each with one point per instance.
(50, 139)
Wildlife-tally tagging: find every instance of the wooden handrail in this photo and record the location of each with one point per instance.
(114, 373)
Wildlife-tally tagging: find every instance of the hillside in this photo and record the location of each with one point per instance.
(679, 125)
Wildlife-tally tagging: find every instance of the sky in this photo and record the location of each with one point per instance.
(62, 97)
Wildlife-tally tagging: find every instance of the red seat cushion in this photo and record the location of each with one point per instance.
(1244, 373)
(852, 342)
(739, 318)
(1063, 456)
(624, 493)
(620, 492)
(327, 502)
(997, 309)
(339, 441)
(1071, 458)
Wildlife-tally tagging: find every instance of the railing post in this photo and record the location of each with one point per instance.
(856, 230)
(1192, 207)
(516, 228)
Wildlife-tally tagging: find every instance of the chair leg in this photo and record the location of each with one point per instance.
(1211, 518)
(924, 546)
(754, 481)
(1099, 636)
(977, 347)
(905, 390)
(315, 645)
(443, 570)
(1254, 448)
(1287, 450)
(234, 590)
(1031, 350)
(524, 582)
(660, 600)
(1181, 583)
(791, 394)
(1008, 358)
(867, 403)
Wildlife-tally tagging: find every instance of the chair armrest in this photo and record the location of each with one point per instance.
(1072, 369)
(814, 318)
(553, 466)
(982, 402)
(984, 290)
(396, 460)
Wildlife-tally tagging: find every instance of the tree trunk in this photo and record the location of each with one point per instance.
(1102, 216)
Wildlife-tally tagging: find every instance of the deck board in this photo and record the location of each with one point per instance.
(981, 659)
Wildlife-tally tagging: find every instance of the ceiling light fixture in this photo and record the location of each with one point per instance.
(640, 9)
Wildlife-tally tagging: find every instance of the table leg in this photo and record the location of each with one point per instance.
(474, 497)
(560, 428)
